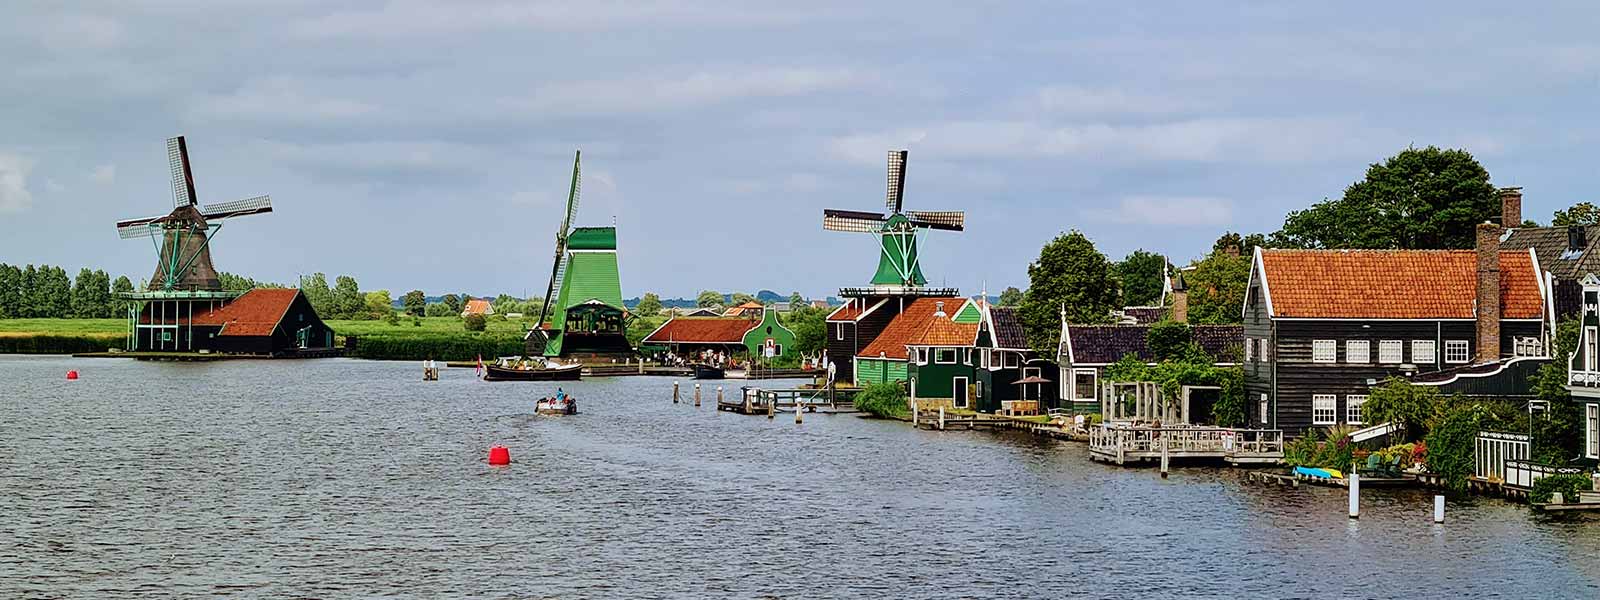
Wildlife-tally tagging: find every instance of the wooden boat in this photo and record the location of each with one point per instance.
(705, 371)
(564, 405)
(539, 371)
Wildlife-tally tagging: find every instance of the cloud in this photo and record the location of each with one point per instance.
(14, 195)
(104, 174)
(277, 99)
(1166, 211)
(693, 90)
(1083, 100)
(404, 19)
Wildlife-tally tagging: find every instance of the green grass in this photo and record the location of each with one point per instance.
(429, 325)
(64, 326)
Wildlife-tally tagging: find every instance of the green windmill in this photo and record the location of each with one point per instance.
(583, 301)
(898, 266)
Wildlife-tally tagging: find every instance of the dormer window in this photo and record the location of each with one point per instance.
(944, 356)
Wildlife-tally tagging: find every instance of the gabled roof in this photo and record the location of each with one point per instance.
(1008, 330)
(1143, 315)
(744, 309)
(1106, 344)
(912, 326)
(853, 309)
(256, 313)
(477, 307)
(1392, 284)
(1551, 246)
(702, 330)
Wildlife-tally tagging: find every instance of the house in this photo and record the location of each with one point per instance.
(854, 326)
(703, 312)
(1583, 367)
(926, 347)
(263, 321)
(1016, 371)
(1322, 327)
(757, 335)
(477, 307)
(1566, 254)
(1087, 350)
(747, 309)
(890, 330)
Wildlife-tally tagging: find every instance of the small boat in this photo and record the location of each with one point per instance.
(531, 370)
(705, 371)
(562, 404)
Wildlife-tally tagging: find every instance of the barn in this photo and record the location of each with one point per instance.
(270, 322)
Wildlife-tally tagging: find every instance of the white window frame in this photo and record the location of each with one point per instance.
(1398, 347)
(1264, 352)
(1589, 346)
(1094, 389)
(838, 333)
(1352, 409)
(1424, 352)
(1325, 351)
(1527, 346)
(1011, 360)
(1452, 347)
(1358, 352)
(1325, 406)
(938, 353)
(1249, 348)
(961, 386)
(1591, 429)
(1263, 409)
(979, 393)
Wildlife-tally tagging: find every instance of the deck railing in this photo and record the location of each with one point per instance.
(1120, 439)
(1583, 378)
(1522, 473)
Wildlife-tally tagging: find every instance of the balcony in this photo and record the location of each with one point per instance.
(1584, 383)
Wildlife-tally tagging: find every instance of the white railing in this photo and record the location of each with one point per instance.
(1493, 449)
(1222, 441)
(1584, 378)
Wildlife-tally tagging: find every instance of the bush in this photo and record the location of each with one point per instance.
(60, 344)
(475, 322)
(883, 400)
(392, 319)
(1568, 485)
(1450, 445)
(437, 346)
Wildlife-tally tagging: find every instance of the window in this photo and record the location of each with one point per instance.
(1084, 384)
(1589, 335)
(1391, 351)
(838, 333)
(1263, 408)
(1527, 346)
(1455, 351)
(777, 349)
(1352, 409)
(979, 385)
(1422, 352)
(1324, 409)
(1263, 350)
(1358, 352)
(1249, 348)
(1592, 430)
(1324, 351)
(944, 356)
(1011, 360)
(958, 387)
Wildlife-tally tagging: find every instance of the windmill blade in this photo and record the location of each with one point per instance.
(947, 220)
(574, 194)
(237, 208)
(182, 177)
(897, 181)
(137, 228)
(852, 221)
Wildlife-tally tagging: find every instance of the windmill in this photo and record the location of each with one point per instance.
(183, 237)
(539, 336)
(583, 301)
(897, 260)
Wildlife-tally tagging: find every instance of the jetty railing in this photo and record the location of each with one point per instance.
(1522, 473)
(1122, 442)
(1493, 449)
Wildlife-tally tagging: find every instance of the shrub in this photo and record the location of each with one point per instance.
(1450, 445)
(1301, 452)
(60, 344)
(1568, 485)
(438, 346)
(883, 400)
(475, 322)
(392, 319)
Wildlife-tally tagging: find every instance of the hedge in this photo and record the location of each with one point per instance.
(438, 346)
(59, 344)
(1569, 485)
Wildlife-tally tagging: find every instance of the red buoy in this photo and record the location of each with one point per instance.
(499, 456)
(72, 375)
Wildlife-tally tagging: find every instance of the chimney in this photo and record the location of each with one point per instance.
(1510, 207)
(938, 309)
(1180, 299)
(1577, 238)
(1488, 298)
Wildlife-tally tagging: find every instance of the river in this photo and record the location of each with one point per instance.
(348, 478)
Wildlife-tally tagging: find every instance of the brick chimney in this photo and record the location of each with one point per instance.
(1488, 298)
(1180, 299)
(1510, 207)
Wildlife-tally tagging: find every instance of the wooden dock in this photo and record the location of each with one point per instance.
(1296, 479)
(1122, 443)
(762, 401)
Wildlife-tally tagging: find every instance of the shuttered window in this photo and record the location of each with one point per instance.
(1324, 409)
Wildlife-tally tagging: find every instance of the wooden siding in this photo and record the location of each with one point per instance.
(858, 335)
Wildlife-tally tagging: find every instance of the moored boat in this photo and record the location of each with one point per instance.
(705, 371)
(535, 370)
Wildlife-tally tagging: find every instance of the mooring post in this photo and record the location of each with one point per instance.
(697, 393)
(1163, 457)
(1438, 509)
(797, 413)
(1355, 495)
(719, 395)
(941, 417)
(674, 392)
(772, 407)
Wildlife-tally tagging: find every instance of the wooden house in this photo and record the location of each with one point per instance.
(1566, 254)
(1322, 327)
(747, 309)
(886, 357)
(855, 325)
(757, 335)
(1583, 367)
(477, 306)
(1087, 350)
(260, 322)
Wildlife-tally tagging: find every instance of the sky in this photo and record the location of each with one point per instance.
(428, 144)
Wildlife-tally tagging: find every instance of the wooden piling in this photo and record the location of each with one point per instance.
(941, 418)
(674, 392)
(1355, 496)
(772, 408)
(697, 394)
(797, 412)
(1438, 509)
(719, 395)
(1164, 457)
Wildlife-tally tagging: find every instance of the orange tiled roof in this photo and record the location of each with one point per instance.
(702, 330)
(1393, 284)
(909, 326)
(476, 307)
(851, 310)
(257, 312)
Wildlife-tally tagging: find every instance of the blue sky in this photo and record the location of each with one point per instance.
(426, 144)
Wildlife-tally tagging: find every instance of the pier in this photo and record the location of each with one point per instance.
(1121, 443)
(762, 401)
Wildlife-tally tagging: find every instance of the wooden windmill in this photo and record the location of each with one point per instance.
(897, 258)
(583, 300)
(183, 237)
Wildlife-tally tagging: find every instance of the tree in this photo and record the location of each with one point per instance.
(1168, 340)
(1216, 289)
(649, 305)
(438, 309)
(53, 292)
(317, 293)
(475, 322)
(1141, 276)
(1245, 244)
(347, 300)
(1397, 401)
(415, 302)
(452, 302)
(740, 298)
(379, 303)
(122, 285)
(795, 300)
(91, 295)
(708, 299)
(10, 291)
(1071, 274)
(1558, 436)
(1417, 199)
(810, 329)
(1011, 296)
(1582, 213)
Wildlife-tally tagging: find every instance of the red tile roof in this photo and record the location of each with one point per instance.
(912, 324)
(255, 313)
(744, 309)
(702, 330)
(477, 307)
(1393, 284)
(851, 310)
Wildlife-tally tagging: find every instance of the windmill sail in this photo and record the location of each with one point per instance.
(897, 181)
(574, 190)
(898, 264)
(237, 208)
(182, 177)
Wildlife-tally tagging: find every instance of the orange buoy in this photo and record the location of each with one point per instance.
(499, 455)
(72, 375)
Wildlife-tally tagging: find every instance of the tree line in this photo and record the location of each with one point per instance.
(46, 291)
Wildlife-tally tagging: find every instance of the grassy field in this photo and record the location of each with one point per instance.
(428, 325)
(63, 326)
